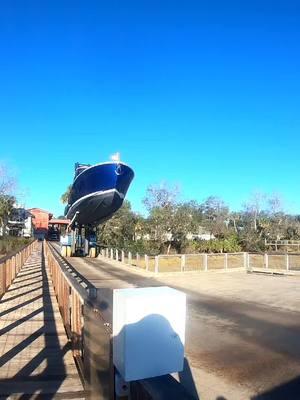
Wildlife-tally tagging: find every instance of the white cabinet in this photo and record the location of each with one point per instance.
(148, 331)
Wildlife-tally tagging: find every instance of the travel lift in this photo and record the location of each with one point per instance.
(79, 240)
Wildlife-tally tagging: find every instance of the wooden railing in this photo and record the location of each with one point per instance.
(71, 296)
(11, 264)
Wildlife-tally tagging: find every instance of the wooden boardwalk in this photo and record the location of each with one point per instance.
(36, 361)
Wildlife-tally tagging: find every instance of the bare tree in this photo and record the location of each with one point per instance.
(277, 217)
(275, 203)
(162, 196)
(235, 218)
(254, 207)
(7, 181)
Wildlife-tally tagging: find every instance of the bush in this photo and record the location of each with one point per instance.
(232, 245)
(152, 248)
(229, 245)
(9, 244)
(141, 246)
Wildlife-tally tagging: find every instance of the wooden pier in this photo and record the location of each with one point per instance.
(36, 360)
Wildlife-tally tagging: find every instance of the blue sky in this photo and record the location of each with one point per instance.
(206, 96)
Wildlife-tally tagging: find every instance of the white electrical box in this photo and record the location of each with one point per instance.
(148, 331)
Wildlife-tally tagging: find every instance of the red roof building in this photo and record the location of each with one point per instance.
(40, 221)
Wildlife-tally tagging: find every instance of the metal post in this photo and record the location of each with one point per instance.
(226, 261)
(156, 264)
(266, 260)
(205, 262)
(112, 254)
(183, 259)
(129, 258)
(106, 252)
(146, 262)
(248, 261)
(123, 256)
(117, 254)
(287, 262)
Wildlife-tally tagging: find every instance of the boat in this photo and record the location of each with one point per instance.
(98, 191)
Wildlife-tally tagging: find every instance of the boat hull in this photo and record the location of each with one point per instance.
(98, 192)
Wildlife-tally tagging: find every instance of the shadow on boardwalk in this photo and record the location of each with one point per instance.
(34, 364)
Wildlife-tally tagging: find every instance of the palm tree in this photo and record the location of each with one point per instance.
(64, 198)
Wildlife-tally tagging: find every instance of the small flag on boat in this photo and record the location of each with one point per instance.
(115, 157)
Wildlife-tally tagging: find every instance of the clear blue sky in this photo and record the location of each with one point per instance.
(203, 95)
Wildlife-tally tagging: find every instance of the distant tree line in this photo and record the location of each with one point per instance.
(174, 226)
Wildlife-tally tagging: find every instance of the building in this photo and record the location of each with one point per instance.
(40, 222)
(20, 223)
(57, 226)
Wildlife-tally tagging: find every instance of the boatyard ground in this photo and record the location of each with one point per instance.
(243, 329)
(243, 334)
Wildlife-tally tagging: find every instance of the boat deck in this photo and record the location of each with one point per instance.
(36, 360)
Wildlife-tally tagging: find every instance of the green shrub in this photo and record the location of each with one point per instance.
(9, 244)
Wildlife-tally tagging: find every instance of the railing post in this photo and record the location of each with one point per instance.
(225, 261)
(117, 254)
(106, 252)
(183, 259)
(245, 260)
(266, 260)
(287, 262)
(4, 276)
(9, 273)
(137, 259)
(112, 254)
(146, 262)
(129, 258)
(156, 269)
(205, 263)
(123, 256)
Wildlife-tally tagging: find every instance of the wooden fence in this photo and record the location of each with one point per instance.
(11, 264)
(287, 245)
(206, 261)
(179, 262)
(277, 262)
